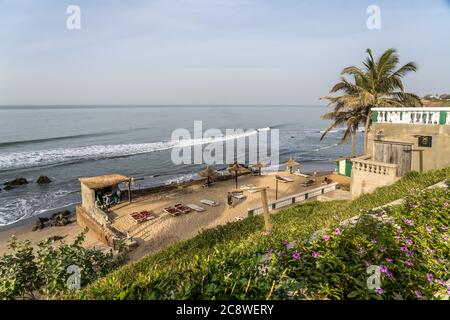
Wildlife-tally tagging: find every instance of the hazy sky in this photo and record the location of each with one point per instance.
(209, 51)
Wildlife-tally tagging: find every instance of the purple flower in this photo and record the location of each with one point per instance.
(419, 294)
(428, 229)
(397, 237)
(442, 282)
(382, 249)
(430, 277)
(404, 249)
(326, 237)
(373, 241)
(383, 269)
(444, 236)
(285, 242)
(413, 206)
(408, 241)
(444, 228)
(408, 262)
(270, 251)
(296, 255)
(409, 222)
(408, 253)
(315, 254)
(337, 231)
(399, 230)
(389, 274)
(445, 204)
(379, 291)
(389, 259)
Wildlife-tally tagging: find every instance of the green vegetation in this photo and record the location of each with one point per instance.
(28, 274)
(378, 84)
(225, 262)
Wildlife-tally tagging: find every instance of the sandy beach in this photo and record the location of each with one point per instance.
(165, 229)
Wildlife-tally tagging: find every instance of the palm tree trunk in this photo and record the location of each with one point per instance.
(353, 144)
(366, 132)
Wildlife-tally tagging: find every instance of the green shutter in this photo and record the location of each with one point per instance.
(374, 116)
(442, 117)
(348, 168)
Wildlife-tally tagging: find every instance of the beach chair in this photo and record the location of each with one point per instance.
(298, 173)
(239, 196)
(308, 183)
(172, 211)
(182, 208)
(143, 216)
(208, 202)
(195, 207)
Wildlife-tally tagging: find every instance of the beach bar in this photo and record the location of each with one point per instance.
(98, 194)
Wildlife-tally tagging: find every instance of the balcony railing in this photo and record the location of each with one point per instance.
(364, 164)
(433, 116)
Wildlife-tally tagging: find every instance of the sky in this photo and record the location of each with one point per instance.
(252, 52)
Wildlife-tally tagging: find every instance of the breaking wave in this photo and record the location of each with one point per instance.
(29, 159)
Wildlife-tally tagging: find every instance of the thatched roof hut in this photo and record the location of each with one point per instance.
(291, 163)
(208, 173)
(237, 168)
(104, 181)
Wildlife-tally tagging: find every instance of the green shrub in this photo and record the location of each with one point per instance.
(25, 274)
(224, 262)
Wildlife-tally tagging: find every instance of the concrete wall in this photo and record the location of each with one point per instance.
(437, 156)
(365, 182)
(98, 231)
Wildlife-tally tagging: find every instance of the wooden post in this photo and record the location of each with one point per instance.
(268, 225)
(276, 188)
(129, 191)
(236, 178)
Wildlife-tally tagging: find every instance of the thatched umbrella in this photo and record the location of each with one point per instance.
(258, 166)
(291, 163)
(236, 168)
(208, 173)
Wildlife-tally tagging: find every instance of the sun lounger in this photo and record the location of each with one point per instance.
(308, 183)
(195, 207)
(239, 196)
(284, 179)
(143, 216)
(182, 208)
(247, 187)
(298, 173)
(209, 202)
(172, 211)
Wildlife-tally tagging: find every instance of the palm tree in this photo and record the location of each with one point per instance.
(377, 84)
(350, 118)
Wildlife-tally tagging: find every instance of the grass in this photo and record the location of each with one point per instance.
(222, 260)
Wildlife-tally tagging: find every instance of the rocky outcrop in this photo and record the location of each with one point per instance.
(58, 219)
(19, 181)
(43, 180)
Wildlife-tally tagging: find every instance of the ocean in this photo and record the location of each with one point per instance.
(69, 142)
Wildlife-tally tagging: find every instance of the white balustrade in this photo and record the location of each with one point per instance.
(419, 116)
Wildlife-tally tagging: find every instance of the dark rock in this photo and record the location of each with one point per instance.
(61, 218)
(43, 180)
(55, 238)
(15, 183)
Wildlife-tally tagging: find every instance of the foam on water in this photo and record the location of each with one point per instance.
(28, 159)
